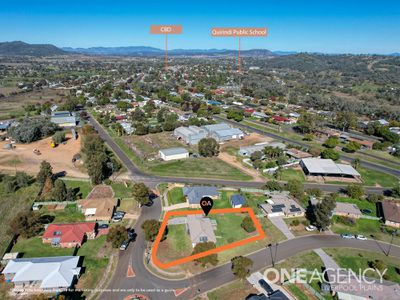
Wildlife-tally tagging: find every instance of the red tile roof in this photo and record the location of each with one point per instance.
(280, 119)
(69, 233)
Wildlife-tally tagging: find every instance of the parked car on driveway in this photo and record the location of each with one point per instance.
(361, 237)
(103, 226)
(347, 236)
(265, 286)
(311, 228)
(116, 219)
(124, 245)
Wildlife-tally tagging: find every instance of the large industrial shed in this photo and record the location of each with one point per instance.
(223, 132)
(191, 135)
(327, 167)
(227, 135)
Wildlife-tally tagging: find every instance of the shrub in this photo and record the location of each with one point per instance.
(346, 220)
(295, 222)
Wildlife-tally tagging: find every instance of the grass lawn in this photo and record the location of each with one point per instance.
(369, 228)
(128, 205)
(357, 259)
(121, 191)
(33, 247)
(96, 256)
(69, 215)
(176, 245)
(83, 187)
(289, 174)
(175, 196)
(229, 229)
(361, 204)
(296, 291)
(238, 289)
(198, 167)
(10, 205)
(224, 200)
(253, 200)
(372, 178)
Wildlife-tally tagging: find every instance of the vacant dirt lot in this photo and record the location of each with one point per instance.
(22, 157)
(251, 139)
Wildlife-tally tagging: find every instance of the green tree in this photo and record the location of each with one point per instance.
(356, 163)
(331, 142)
(323, 211)
(151, 229)
(273, 186)
(117, 235)
(296, 188)
(45, 172)
(355, 191)
(208, 147)
(235, 114)
(26, 224)
(241, 266)
(307, 123)
(59, 191)
(352, 147)
(330, 154)
(345, 120)
(209, 259)
(141, 129)
(248, 224)
(395, 192)
(58, 137)
(141, 193)
(22, 179)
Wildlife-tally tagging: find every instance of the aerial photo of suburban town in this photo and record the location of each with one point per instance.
(204, 150)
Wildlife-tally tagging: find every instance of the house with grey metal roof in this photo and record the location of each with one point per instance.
(173, 153)
(237, 201)
(44, 273)
(194, 194)
(64, 118)
(281, 205)
(200, 229)
(327, 167)
(249, 150)
(191, 135)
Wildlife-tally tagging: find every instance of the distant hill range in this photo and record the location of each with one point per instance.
(21, 48)
(18, 48)
(151, 51)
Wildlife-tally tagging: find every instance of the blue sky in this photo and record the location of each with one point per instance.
(328, 26)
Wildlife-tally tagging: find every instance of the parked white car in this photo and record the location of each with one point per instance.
(311, 228)
(361, 237)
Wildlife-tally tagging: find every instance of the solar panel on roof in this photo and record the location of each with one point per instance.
(276, 209)
(295, 209)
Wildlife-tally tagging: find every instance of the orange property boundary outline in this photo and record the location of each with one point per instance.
(168, 214)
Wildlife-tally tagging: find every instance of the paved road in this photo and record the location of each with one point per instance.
(153, 180)
(369, 165)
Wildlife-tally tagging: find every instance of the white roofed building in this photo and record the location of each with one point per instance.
(44, 273)
(327, 167)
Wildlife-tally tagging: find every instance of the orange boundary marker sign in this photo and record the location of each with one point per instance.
(168, 214)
